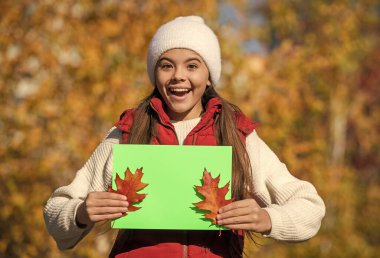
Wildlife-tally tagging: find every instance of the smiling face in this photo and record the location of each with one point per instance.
(181, 79)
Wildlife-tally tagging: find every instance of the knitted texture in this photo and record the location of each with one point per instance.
(188, 32)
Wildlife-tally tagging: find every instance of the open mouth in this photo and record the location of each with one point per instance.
(179, 91)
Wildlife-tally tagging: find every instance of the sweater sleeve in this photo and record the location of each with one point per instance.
(294, 206)
(60, 209)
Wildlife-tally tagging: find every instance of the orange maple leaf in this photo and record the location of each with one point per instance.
(214, 196)
(129, 186)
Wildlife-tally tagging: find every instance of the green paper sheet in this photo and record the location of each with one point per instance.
(171, 171)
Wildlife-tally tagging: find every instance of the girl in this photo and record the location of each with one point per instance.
(184, 66)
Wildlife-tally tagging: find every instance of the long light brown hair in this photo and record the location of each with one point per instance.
(226, 133)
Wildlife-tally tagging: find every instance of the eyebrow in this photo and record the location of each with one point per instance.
(186, 61)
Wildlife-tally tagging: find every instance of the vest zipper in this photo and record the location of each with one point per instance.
(185, 244)
(194, 138)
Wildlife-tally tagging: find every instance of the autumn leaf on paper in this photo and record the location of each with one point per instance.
(129, 186)
(214, 196)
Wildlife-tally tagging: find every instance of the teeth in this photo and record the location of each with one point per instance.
(179, 90)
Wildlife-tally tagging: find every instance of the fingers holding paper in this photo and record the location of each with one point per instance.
(244, 214)
(99, 206)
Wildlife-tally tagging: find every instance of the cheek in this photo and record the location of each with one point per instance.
(159, 79)
(201, 80)
(162, 77)
(204, 76)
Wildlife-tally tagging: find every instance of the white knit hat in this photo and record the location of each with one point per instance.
(188, 32)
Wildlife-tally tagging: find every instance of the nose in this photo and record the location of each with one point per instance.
(179, 74)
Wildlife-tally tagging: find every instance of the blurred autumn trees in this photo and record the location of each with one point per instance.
(307, 70)
(319, 105)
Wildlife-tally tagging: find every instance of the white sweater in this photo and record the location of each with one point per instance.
(294, 207)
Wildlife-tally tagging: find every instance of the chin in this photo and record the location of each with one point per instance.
(180, 110)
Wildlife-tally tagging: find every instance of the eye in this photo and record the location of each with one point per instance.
(166, 66)
(192, 66)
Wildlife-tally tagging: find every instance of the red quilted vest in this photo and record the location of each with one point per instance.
(181, 243)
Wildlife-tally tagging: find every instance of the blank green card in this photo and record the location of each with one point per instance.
(171, 172)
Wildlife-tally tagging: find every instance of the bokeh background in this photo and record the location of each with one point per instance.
(307, 70)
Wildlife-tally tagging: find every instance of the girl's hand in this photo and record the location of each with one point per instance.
(100, 206)
(245, 214)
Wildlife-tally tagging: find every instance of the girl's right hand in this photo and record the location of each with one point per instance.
(100, 206)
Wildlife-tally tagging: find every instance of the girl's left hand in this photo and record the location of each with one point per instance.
(245, 214)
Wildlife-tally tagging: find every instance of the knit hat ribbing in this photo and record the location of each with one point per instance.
(188, 32)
